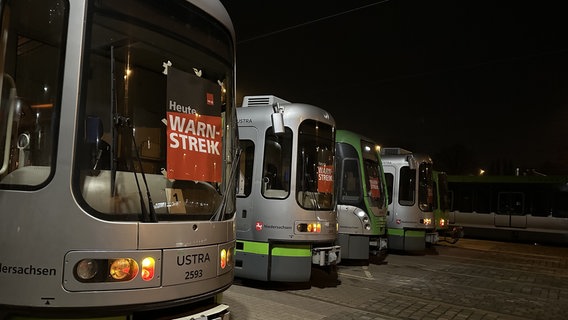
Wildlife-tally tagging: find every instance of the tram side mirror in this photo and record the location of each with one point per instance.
(411, 162)
(278, 119)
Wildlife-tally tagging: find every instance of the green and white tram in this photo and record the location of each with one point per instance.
(118, 159)
(410, 217)
(361, 193)
(522, 208)
(286, 218)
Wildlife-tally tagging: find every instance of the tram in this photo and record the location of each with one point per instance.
(361, 193)
(119, 159)
(286, 218)
(410, 217)
(529, 208)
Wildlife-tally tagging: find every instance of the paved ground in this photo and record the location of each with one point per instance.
(472, 279)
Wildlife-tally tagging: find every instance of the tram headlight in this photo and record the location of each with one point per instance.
(442, 222)
(123, 269)
(367, 226)
(427, 221)
(87, 269)
(363, 216)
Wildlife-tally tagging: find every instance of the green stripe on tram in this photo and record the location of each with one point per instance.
(284, 250)
(292, 250)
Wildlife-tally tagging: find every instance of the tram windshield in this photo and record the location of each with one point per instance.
(158, 135)
(425, 187)
(314, 185)
(443, 193)
(373, 176)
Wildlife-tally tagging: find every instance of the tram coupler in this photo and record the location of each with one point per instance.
(326, 256)
(432, 237)
(380, 244)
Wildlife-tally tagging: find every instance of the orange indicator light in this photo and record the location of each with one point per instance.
(223, 258)
(148, 268)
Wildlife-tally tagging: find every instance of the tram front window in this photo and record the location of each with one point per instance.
(316, 151)
(373, 176)
(156, 109)
(425, 187)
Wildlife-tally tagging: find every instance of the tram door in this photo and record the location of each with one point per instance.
(390, 177)
(248, 183)
(511, 210)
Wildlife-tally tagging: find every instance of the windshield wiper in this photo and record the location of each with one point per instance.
(230, 184)
(148, 213)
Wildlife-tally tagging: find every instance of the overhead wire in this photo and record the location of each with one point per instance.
(311, 22)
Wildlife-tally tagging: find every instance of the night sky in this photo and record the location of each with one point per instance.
(473, 84)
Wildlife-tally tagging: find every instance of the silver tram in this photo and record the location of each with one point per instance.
(286, 220)
(118, 159)
(410, 217)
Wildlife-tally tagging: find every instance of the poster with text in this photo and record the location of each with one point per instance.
(325, 178)
(375, 191)
(194, 131)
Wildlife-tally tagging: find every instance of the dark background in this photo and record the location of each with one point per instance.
(476, 85)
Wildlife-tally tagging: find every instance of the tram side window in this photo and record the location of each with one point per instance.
(246, 168)
(31, 70)
(511, 203)
(389, 178)
(276, 164)
(540, 204)
(482, 200)
(351, 182)
(560, 209)
(463, 198)
(406, 186)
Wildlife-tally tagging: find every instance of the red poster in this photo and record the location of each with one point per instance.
(375, 191)
(194, 147)
(194, 130)
(325, 178)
